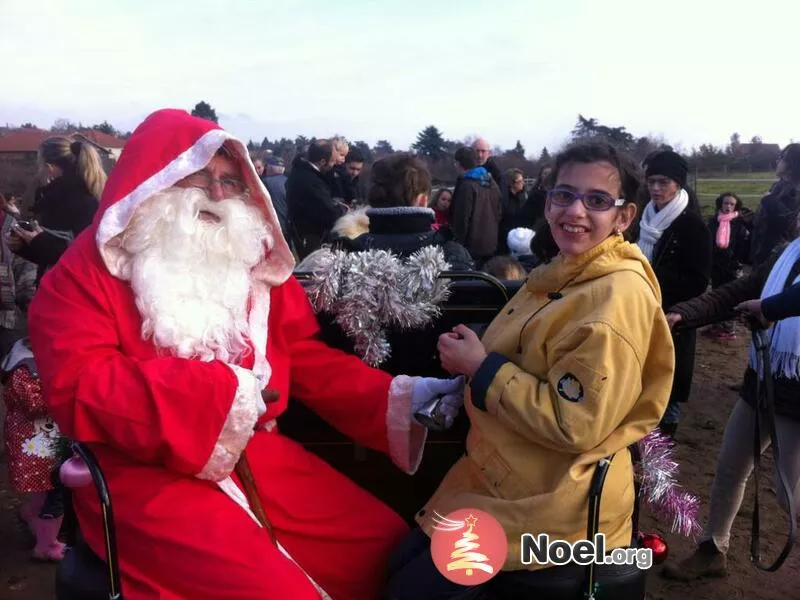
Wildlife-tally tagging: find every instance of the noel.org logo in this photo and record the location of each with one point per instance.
(468, 546)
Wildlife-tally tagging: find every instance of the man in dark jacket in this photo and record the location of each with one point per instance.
(312, 208)
(477, 207)
(483, 153)
(275, 182)
(344, 178)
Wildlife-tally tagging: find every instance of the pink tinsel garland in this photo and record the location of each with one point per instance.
(660, 490)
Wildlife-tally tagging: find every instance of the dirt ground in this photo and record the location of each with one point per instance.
(718, 365)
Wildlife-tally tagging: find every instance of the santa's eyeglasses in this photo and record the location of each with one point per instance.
(204, 180)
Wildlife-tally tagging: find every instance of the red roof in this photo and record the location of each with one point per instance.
(102, 139)
(29, 140)
(23, 140)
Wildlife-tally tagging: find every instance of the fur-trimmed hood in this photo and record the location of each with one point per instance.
(353, 224)
(167, 146)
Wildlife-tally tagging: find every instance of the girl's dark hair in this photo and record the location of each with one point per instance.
(630, 174)
(434, 203)
(398, 180)
(542, 183)
(723, 195)
(791, 155)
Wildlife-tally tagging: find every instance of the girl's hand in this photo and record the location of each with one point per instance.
(461, 351)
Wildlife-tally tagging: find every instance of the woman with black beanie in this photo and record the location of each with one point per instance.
(676, 241)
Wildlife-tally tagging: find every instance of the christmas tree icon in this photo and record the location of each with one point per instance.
(463, 555)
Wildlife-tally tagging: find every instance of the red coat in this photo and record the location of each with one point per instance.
(160, 427)
(30, 434)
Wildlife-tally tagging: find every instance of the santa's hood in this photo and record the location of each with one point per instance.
(166, 147)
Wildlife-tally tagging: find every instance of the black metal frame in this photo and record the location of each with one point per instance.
(109, 529)
(595, 493)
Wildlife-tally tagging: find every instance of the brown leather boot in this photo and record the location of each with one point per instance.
(707, 561)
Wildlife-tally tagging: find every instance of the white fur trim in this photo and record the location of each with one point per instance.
(352, 224)
(229, 487)
(406, 436)
(258, 320)
(280, 262)
(238, 427)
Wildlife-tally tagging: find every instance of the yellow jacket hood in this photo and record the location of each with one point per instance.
(611, 255)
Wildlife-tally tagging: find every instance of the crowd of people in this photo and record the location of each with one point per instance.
(155, 316)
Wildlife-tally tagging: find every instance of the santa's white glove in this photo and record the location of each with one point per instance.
(435, 402)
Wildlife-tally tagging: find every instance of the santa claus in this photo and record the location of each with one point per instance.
(155, 336)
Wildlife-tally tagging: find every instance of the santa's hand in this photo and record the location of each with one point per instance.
(435, 402)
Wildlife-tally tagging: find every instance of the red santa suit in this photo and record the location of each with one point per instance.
(167, 431)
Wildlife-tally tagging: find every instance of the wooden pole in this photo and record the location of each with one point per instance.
(245, 475)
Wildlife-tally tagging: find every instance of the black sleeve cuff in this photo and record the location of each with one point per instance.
(770, 308)
(483, 378)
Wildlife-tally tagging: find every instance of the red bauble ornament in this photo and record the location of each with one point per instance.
(656, 543)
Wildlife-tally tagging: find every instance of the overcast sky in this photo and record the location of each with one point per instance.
(693, 71)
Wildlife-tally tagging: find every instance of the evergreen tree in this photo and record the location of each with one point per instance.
(105, 127)
(544, 157)
(204, 111)
(382, 148)
(430, 143)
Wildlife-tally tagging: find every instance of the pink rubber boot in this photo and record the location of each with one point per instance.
(47, 545)
(30, 509)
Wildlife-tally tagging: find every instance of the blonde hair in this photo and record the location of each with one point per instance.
(340, 144)
(75, 156)
(505, 268)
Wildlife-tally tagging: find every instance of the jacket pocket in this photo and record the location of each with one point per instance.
(501, 479)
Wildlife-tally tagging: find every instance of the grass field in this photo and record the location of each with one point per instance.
(750, 187)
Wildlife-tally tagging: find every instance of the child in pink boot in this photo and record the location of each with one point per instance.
(31, 437)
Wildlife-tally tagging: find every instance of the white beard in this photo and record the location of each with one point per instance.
(191, 278)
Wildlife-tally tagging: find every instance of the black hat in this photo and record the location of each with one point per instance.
(275, 161)
(669, 164)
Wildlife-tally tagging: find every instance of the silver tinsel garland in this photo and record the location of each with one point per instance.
(371, 291)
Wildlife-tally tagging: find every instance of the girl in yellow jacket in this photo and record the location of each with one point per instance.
(577, 367)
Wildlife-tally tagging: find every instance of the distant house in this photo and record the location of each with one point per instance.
(23, 144)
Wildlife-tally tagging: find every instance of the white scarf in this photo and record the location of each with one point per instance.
(654, 224)
(784, 335)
